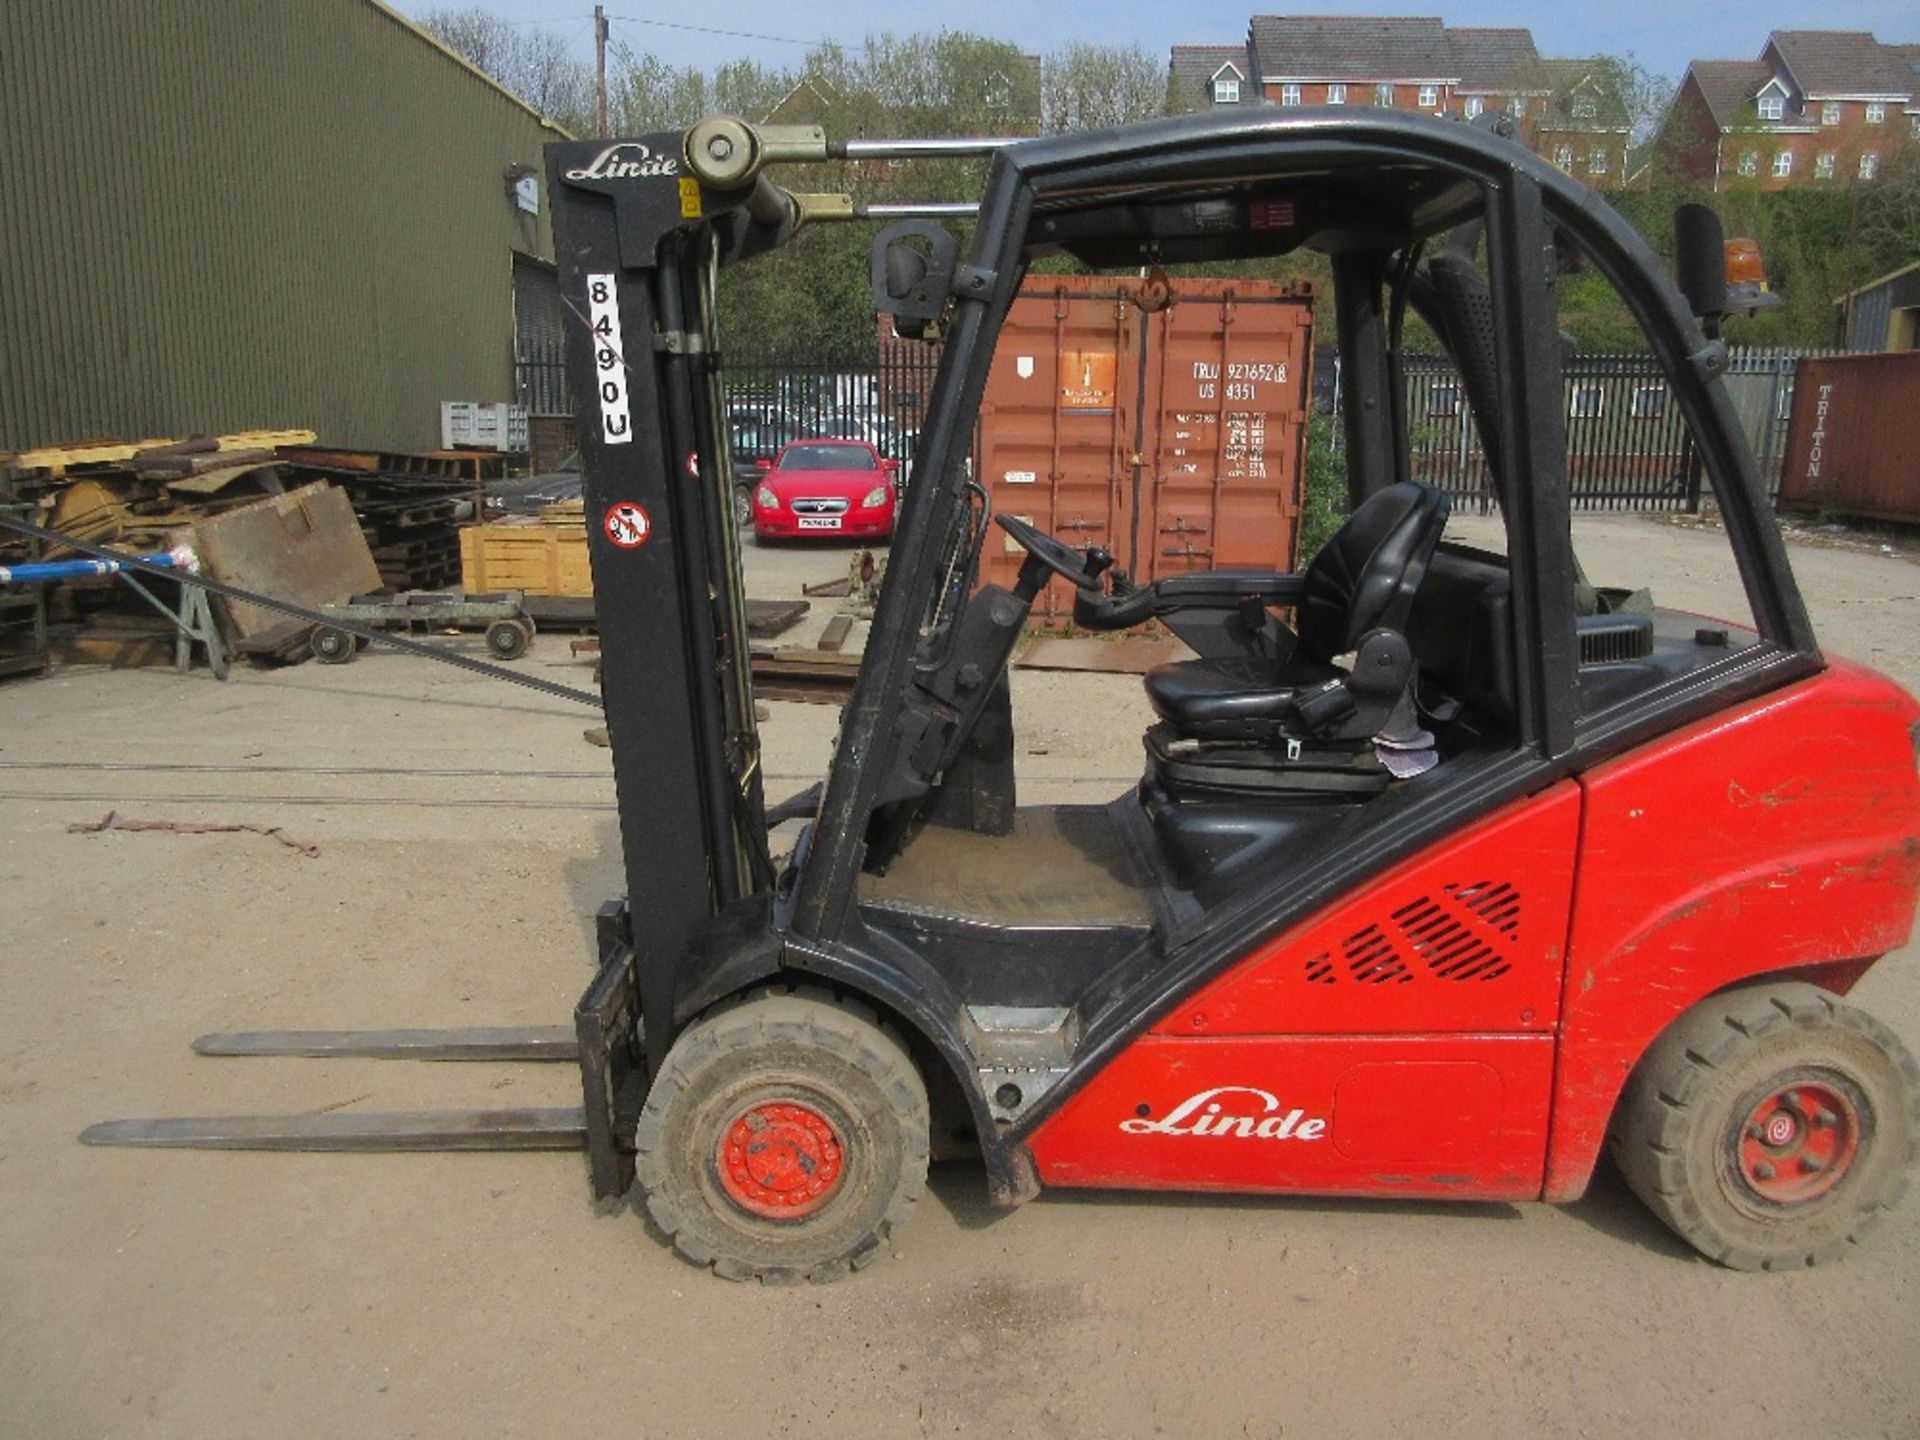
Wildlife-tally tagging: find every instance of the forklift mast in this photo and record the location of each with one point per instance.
(641, 227)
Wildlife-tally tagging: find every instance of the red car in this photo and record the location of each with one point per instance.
(825, 488)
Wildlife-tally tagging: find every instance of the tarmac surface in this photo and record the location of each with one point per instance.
(466, 835)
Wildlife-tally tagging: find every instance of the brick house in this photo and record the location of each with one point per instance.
(1817, 107)
(1569, 110)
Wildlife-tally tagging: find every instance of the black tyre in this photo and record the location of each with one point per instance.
(742, 507)
(1771, 1127)
(785, 1139)
(508, 639)
(333, 647)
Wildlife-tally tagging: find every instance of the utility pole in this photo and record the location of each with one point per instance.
(600, 64)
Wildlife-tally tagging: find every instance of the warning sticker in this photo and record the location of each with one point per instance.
(628, 525)
(689, 199)
(1086, 380)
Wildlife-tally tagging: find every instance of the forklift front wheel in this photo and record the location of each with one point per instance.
(784, 1139)
(508, 639)
(1771, 1127)
(333, 647)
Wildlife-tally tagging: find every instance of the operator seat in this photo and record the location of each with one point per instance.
(1354, 597)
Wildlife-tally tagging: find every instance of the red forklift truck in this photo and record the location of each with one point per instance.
(1446, 869)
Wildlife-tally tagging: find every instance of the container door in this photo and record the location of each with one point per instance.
(1050, 452)
(1223, 402)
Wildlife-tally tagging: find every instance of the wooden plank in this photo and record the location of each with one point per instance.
(768, 618)
(835, 635)
(57, 458)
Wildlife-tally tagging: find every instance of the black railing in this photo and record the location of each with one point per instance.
(1626, 442)
(1627, 446)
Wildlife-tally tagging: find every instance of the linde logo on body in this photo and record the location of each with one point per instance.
(626, 161)
(1211, 1113)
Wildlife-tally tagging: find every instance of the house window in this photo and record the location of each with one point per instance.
(1876, 112)
(1782, 164)
(1869, 165)
(1916, 127)
(1649, 402)
(1750, 163)
(1226, 92)
(1597, 161)
(1429, 96)
(1383, 95)
(1563, 156)
(1336, 94)
(1830, 113)
(1585, 107)
(1443, 400)
(1474, 107)
(1589, 402)
(1289, 94)
(1519, 106)
(1823, 167)
(1773, 107)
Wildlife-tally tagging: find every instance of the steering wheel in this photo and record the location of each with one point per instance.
(1080, 568)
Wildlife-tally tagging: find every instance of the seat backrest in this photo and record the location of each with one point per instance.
(1366, 576)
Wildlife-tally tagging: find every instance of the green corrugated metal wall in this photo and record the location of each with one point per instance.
(236, 214)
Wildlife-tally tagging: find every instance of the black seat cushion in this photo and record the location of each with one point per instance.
(1231, 697)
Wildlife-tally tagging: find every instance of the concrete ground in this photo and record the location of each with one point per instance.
(466, 835)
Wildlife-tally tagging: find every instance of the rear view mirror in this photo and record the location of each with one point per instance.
(1700, 261)
(912, 270)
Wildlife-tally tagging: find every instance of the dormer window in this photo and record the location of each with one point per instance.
(1773, 107)
(1830, 113)
(1226, 92)
(1585, 107)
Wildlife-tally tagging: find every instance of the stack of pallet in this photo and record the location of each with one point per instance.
(410, 506)
(228, 500)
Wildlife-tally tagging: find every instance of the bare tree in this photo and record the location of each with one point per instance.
(535, 64)
(1089, 87)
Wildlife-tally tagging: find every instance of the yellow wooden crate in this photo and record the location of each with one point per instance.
(539, 557)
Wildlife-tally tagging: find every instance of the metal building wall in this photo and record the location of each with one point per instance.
(230, 214)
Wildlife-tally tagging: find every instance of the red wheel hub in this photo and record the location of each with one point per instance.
(1797, 1143)
(780, 1160)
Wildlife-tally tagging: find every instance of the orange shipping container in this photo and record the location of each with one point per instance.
(1166, 421)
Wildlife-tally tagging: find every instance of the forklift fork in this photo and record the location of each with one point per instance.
(603, 1041)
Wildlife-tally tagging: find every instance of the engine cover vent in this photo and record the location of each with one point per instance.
(1612, 639)
(1464, 933)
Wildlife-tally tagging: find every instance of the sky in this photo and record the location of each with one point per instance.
(1664, 40)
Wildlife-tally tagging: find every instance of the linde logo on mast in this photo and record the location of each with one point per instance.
(1210, 1114)
(627, 160)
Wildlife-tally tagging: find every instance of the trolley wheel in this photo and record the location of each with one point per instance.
(785, 1139)
(1771, 1127)
(508, 639)
(333, 647)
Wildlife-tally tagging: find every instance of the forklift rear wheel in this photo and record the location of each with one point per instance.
(508, 639)
(1771, 1128)
(785, 1139)
(333, 647)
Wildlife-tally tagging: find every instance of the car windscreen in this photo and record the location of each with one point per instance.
(828, 457)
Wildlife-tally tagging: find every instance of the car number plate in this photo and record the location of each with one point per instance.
(819, 522)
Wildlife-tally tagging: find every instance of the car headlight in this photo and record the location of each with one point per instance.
(875, 497)
(766, 499)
